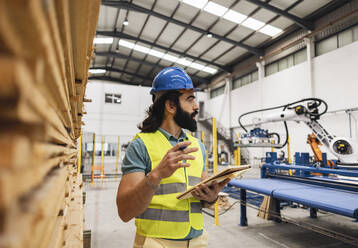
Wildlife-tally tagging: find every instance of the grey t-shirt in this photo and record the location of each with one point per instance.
(137, 160)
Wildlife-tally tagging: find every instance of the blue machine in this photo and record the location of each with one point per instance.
(315, 185)
(333, 190)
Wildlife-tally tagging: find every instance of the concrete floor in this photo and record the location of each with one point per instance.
(109, 231)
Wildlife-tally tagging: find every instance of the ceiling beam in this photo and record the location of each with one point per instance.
(112, 79)
(112, 69)
(324, 10)
(129, 37)
(133, 7)
(300, 22)
(118, 55)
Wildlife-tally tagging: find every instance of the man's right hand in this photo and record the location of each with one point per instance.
(172, 160)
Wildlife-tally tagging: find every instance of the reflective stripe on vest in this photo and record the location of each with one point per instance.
(166, 216)
(195, 207)
(170, 188)
(170, 215)
(194, 180)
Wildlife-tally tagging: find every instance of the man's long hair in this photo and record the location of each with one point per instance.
(155, 113)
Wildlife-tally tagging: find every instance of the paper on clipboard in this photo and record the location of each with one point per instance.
(227, 173)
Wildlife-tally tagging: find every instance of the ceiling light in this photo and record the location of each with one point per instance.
(125, 23)
(127, 44)
(234, 16)
(270, 30)
(196, 3)
(103, 41)
(183, 61)
(161, 55)
(156, 53)
(209, 35)
(209, 70)
(170, 58)
(142, 49)
(215, 9)
(253, 23)
(197, 66)
(97, 71)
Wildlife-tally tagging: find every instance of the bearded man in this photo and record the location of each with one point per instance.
(161, 162)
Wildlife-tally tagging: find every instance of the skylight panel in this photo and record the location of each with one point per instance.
(209, 70)
(142, 49)
(127, 44)
(156, 53)
(215, 9)
(253, 23)
(196, 3)
(234, 16)
(170, 58)
(161, 55)
(197, 66)
(183, 61)
(97, 71)
(102, 40)
(270, 30)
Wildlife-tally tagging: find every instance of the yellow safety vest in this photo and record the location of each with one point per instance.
(166, 216)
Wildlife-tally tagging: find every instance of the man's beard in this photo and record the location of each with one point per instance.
(185, 120)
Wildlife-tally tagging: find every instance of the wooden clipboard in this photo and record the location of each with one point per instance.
(227, 173)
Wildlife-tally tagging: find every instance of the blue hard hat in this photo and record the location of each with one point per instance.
(172, 78)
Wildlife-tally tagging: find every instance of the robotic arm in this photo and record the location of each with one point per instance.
(343, 148)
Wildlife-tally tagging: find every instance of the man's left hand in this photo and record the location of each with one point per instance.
(209, 193)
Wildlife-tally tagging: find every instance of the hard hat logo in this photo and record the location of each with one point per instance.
(172, 78)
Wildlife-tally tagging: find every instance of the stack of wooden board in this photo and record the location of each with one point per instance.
(266, 210)
(45, 52)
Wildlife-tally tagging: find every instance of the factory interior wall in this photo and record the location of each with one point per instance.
(115, 119)
(335, 81)
(335, 78)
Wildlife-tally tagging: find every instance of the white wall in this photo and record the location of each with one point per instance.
(335, 77)
(115, 119)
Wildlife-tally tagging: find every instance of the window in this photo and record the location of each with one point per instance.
(217, 92)
(271, 68)
(300, 57)
(113, 98)
(355, 33)
(340, 39)
(327, 45)
(245, 79)
(286, 62)
(282, 64)
(345, 38)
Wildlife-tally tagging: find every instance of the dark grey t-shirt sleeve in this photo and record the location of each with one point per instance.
(136, 158)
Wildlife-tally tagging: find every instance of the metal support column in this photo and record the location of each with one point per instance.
(310, 49)
(117, 153)
(93, 157)
(313, 213)
(277, 211)
(215, 157)
(243, 217)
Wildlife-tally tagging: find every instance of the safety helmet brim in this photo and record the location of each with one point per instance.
(156, 91)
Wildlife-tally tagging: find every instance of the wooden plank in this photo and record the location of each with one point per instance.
(28, 26)
(79, 14)
(48, 207)
(20, 219)
(62, 9)
(15, 149)
(17, 182)
(18, 84)
(57, 236)
(55, 35)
